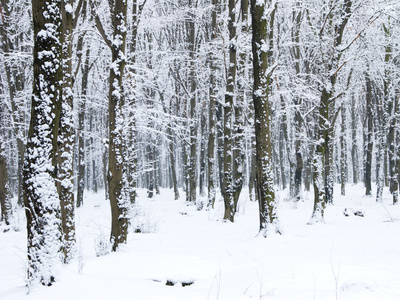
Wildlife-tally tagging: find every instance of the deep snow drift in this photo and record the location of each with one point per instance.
(350, 257)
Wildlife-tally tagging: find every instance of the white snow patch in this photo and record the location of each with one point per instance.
(344, 258)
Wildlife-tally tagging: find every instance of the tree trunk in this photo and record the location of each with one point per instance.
(329, 172)
(5, 196)
(298, 121)
(343, 154)
(42, 203)
(203, 143)
(66, 139)
(119, 205)
(369, 140)
(262, 60)
(354, 148)
(81, 136)
(380, 154)
(228, 188)
(212, 171)
(319, 169)
(150, 172)
(396, 171)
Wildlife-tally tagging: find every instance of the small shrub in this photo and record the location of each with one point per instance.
(102, 246)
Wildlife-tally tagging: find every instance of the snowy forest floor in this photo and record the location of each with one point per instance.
(345, 258)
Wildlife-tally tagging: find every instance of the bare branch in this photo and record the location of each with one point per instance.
(100, 27)
(77, 12)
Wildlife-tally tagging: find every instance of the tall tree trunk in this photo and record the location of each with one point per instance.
(326, 116)
(396, 171)
(202, 175)
(156, 169)
(5, 196)
(42, 203)
(319, 169)
(171, 147)
(262, 60)
(308, 169)
(354, 148)
(150, 172)
(228, 188)
(369, 141)
(119, 204)
(380, 154)
(173, 167)
(66, 139)
(212, 170)
(131, 151)
(297, 18)
(343, 153)
(329, 172)
(81, 136)
(192, 182)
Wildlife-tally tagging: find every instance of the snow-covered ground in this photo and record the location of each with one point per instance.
(346, 258)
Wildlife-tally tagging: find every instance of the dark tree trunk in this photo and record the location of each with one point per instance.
(150, 173)
(81, 136)
(5, 196)
(369, 140)
(119, 204)
(343, 154)
(319, 170)
(192, 153)
(42, 204)
(212, 111)
(66, 140)
(354, 148)
(228, 188)
(202, 174)
(262, 59)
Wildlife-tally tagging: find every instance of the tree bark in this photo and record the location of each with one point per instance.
(369, 141)
(262, 60)
(119, 205)
(192, 159)
(354, 148)
(229, 188)
(319, 169)
(42, 203)
(343, 154)
(212, 171)
(66, 138)
(5, 196)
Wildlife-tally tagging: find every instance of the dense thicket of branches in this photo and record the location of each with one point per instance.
(172, 106)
